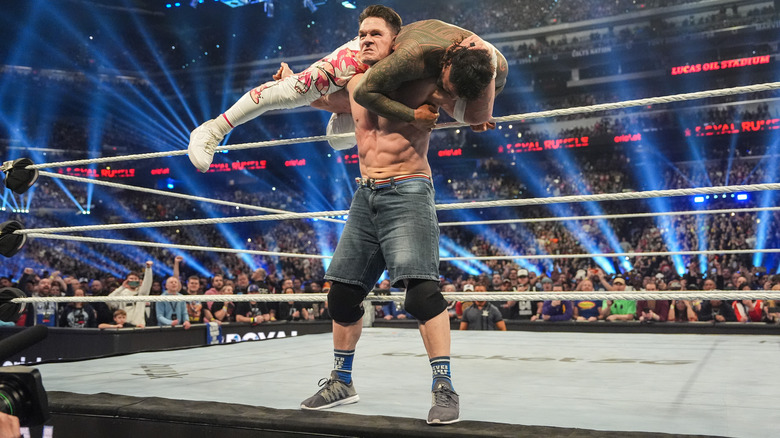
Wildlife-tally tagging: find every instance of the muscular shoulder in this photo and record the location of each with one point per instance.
(430, 34)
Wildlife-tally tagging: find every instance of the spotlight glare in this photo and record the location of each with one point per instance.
(348, 4)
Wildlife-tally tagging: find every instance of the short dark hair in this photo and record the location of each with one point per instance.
(133, 273)
(390, 16)
(471, 70)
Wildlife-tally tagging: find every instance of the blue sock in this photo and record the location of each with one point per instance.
(440, 366)
(343, 364)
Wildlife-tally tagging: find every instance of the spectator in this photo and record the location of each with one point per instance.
(253, 312)
(175, 312)
(78, 314)
(482, 315)
(120, 321)
(716, 311)
(43, 313)
(242, 284)
(450, 288)
(682, 311)
(557, 310)
(652, 310)
(461, 306)
(617, 310)
(748, 310)
(586, 310)
(221, 311)
(134, 286)
(194, 308)
(292, 310)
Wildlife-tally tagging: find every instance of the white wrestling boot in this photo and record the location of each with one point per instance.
(203, 142)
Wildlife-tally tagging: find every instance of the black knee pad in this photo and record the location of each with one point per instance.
(345, 302)
(424, 299)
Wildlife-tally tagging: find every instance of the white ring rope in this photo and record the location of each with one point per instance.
(185, 222)
(171, 194)
(443, 259)
(485, 296)
(605, 216)
(610, 196)
(617, 254)
(512, 118)
(176, 246)
(453, 206)
(318, 215)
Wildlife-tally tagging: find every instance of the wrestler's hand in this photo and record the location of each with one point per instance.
(475, 42)
(284, 71)
(482, 127)
(425, 117)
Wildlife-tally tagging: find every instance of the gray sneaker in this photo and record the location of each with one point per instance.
(445, 407)
(334, 392)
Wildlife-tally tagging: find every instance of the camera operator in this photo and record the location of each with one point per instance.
(9, 426)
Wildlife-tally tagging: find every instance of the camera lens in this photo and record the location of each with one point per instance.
(11, 397)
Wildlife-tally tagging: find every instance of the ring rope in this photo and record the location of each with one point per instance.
(511, 118)
(318, 215)
(184, 222)
(485, 296)
(444, 259)
(610, 196)
(171, 194)
(452, 206)
(176, 246)
(618, 254)
(608, 216)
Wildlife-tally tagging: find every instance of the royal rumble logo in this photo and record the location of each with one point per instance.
(258, 336)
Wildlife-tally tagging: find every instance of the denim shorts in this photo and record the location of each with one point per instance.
(393, 228)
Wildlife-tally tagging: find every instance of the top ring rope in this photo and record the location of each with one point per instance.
(512, 118)
(484, 296)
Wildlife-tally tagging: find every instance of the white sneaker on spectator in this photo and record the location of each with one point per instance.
(203, 142)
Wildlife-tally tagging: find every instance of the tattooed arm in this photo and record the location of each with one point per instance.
(403, 65)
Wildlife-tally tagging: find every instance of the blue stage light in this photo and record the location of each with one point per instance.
(348, 4)
(742, 197)
(168, 5)
(698, 199)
